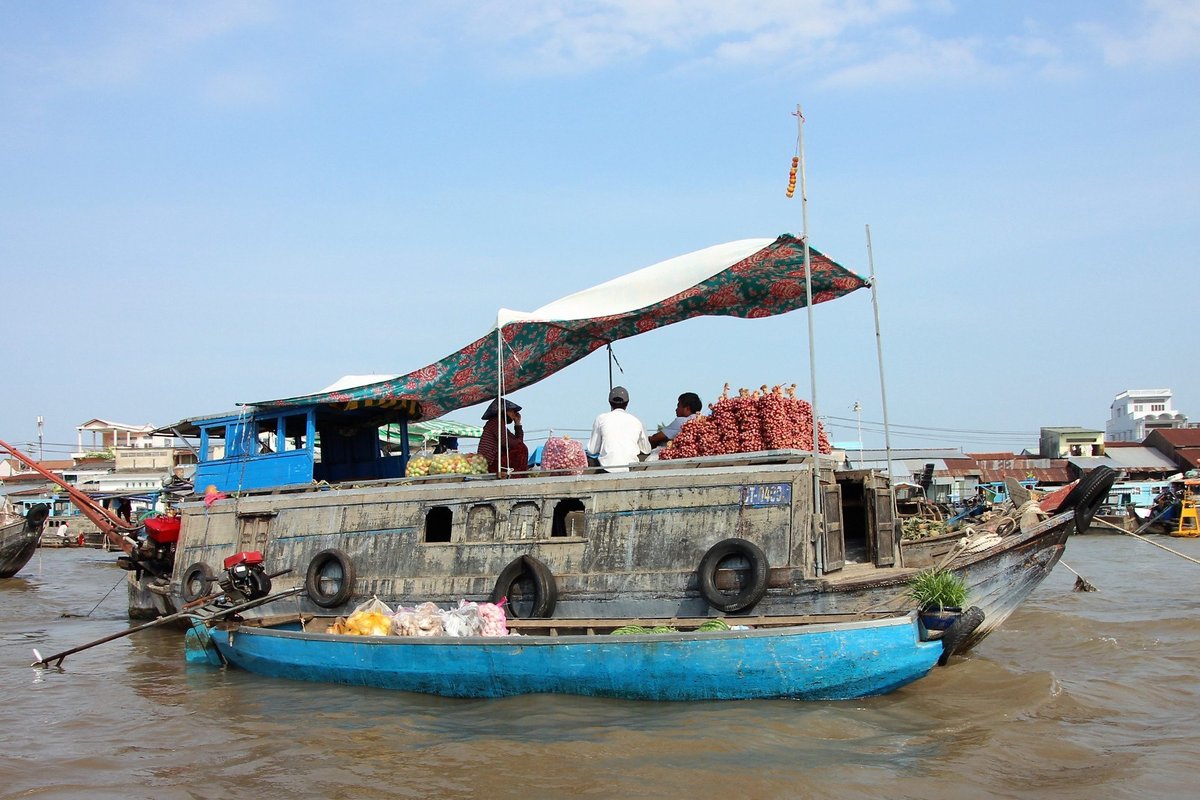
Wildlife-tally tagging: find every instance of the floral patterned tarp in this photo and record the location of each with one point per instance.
(767, 281)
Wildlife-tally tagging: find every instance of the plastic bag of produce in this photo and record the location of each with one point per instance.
(372, 618)
(458, 464)
(419, 467)
(492, 619)
(424, 620)
(462, 621)
(563, 453)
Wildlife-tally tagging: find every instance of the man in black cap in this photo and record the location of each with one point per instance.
(618, 437)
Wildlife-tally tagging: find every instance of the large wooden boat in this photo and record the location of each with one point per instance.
(19, 537)
(777, 533)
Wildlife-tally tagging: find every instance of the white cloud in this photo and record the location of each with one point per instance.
(908, 56)
(246, 52)
(1169, 31)
(555, 37)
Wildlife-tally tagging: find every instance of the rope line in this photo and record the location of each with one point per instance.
(106, 594)
(1147, 541)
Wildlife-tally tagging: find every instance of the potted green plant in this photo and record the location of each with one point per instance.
(940, 595)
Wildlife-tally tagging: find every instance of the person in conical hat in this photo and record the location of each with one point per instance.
(504, 449)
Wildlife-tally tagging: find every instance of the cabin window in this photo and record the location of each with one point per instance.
(481, 523)
(213, 448)
(568, 518)
(438, 521)
(295, 432)
(523, 521)
(266, 436)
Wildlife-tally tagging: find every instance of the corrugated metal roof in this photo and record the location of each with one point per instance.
(1140, 458)
(1189, 456)
(911, 465)
(1178, 437)
(900, 470)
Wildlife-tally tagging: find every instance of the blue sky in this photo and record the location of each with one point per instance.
(211, 203)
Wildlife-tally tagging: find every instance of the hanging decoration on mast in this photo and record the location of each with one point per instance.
(791, 190)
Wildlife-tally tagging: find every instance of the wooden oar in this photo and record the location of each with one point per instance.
(188, 611)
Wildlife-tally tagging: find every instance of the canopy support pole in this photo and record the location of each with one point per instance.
(501, 418)
(887, 431)
(612, 359)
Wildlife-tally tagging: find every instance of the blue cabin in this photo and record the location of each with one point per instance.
(1139, 494)
(265, 447)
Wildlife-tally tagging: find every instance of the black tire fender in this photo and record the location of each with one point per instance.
(957, 634)
(545, 588)
(36, 517)
(755, 587)
(330, 565)
(195, 581)
(1089, 494)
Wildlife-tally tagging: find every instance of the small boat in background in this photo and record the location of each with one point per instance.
(827, 657)
(1189, 499)
(19, 537)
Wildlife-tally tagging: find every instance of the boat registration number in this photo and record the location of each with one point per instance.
(767, 494)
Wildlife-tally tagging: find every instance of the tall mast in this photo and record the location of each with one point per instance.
(812, 345)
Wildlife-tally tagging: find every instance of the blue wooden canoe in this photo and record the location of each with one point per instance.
(819, 661)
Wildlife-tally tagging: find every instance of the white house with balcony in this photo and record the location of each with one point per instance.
(106, 435)
(1137, 412)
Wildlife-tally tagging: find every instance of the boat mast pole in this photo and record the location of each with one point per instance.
(887, 431)
(501, 417)
(812, 346)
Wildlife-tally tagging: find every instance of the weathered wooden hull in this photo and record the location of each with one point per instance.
(17, 545)
(146, 599)
(617, 545)
(999, 578)
(835, 661)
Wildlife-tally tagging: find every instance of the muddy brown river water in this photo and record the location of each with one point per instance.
(1079, 695)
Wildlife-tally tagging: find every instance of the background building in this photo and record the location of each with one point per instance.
(1068, 441)
(1137, 412)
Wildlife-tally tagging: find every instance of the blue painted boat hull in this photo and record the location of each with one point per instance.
(834, 661)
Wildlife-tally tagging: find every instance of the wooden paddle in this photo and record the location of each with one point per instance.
(188, 611)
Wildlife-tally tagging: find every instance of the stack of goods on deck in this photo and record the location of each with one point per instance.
(446, 464)
(767, 419)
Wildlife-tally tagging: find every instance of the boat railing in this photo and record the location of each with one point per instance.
(761, 459)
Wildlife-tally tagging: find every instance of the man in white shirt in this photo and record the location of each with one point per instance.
(618, 437)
